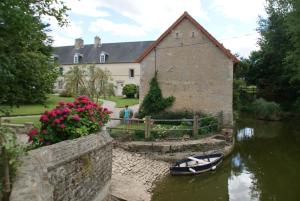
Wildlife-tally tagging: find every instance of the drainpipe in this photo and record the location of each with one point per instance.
(155, 59)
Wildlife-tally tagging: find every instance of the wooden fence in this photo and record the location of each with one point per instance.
(148, 125)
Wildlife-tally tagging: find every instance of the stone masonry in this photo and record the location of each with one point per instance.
(192, 69)
(73, 170)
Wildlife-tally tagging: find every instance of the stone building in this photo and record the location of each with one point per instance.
(118, 58)
(192, 66)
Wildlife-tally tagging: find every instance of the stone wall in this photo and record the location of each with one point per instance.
(73, 170)
(191, 68)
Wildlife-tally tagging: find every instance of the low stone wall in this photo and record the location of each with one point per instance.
(171, 151)
(73, 170)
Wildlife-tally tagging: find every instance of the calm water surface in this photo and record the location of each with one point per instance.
(265, 165)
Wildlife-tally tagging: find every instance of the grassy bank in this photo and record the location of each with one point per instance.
(37, 108)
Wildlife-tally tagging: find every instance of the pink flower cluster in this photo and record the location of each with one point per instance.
(61, 122)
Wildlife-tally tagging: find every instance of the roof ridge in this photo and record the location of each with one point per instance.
(197, 25)
(108, 43)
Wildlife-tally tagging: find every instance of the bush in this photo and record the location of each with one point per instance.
(65, 93)
(68, 121)
(129, 90)
(266, 110)
(154, 102)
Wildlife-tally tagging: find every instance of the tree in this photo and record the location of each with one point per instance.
(88, 80)
(129, 90)
(154, 102)
(75, 80)
(99, 83)
(26, 71)
(275, 68)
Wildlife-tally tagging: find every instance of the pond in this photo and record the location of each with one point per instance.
(265, 165)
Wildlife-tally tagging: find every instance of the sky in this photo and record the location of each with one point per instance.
(231, 22)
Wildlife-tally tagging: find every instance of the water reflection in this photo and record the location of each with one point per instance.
(245, 133)
(241, 183)
(264, 166)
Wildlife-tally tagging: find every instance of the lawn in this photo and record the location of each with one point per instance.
(22, 120)
(31, 109)
(121, 101)
(38, 108)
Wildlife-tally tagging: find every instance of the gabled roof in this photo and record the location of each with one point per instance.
(185, 15)
(125, 52)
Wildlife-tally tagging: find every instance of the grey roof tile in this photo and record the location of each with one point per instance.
(125, 52)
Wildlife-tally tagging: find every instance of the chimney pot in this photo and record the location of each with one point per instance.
(97, 41)
(79, 43)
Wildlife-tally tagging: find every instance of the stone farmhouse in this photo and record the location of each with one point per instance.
(192, 66)
(118, 58)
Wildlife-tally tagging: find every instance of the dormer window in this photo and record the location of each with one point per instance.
(103, 57)
(77, 59)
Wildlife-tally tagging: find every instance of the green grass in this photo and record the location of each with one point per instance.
(37, 108)
(121, 101)
(22, 120)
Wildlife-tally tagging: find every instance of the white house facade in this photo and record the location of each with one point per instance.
(118, 58)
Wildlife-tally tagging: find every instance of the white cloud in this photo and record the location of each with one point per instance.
(243, 44)
(243, 10)
(116, 29)
(65, 35)
(156, 14)
(91, 8)
(150, 15)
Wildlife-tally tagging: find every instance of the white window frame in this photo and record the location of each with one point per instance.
(76, 59)
(131, 77)
(102, 58)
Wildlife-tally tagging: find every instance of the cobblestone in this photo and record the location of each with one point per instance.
(135, 174)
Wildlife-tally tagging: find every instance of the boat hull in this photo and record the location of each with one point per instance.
(191, 170)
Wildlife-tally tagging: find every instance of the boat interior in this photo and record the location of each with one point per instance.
(195, 161)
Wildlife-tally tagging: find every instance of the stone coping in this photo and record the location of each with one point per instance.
(54, 155)
(32, 182)
(204, 144)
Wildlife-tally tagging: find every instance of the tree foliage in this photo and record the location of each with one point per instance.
(26, 71)
(129, 90)
(275, 68)
(154, 102)
(88, 80)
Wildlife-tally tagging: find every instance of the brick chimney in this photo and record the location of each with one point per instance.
(78, 43)
(97, 41)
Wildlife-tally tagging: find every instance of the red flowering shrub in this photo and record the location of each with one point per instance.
(68, 121)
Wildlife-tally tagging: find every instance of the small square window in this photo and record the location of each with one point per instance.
(193, 34)
(61, 71)
(77, 59)
(131, 73)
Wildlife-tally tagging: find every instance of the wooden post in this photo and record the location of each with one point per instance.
(6, 176)
(147, 127)
(195, 125)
